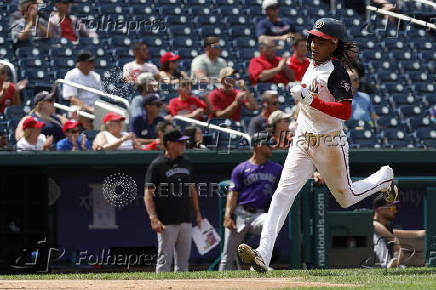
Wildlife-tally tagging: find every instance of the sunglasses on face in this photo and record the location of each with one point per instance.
(274, 103)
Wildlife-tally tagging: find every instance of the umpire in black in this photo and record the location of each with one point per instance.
(170, 198)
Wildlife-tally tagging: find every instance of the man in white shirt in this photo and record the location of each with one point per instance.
(134, 68)
(207, 66)
(85, 75)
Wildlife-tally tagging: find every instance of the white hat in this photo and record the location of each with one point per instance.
(267, 3)
(146, 78)
(277, 115)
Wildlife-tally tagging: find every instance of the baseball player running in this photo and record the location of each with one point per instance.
(325, 97)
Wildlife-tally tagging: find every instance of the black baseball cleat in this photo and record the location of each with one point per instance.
(391, 195)
(252, 257)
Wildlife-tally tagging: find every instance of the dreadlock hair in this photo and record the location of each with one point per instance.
(341, 52)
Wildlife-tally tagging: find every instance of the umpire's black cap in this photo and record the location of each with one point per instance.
(174, 135)
(380, 201)
(329, 28)
(263, 138)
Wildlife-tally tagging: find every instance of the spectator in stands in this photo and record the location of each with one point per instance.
(362, 106)
(387, 247)
(207, 66)
(273, 27)
(73, 141)
(144, 125)
(134, 68)
(161, 128)
(269, 68)
(84, 75)
(168, 70)
(299, 61)
(44, 111)
(111, 137)
(278, 123)
(170, 208)
(195, 138)
(146, 85)
(433, 114)
(69, 25)
(186, 104)
(227, 101)
(31, 26)
(270, 103)
(253, 184)
(9, 94)
(32, 139)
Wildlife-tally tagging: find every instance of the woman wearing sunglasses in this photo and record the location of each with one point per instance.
(44, 111)
(73, 141)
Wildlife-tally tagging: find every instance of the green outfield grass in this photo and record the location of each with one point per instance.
(411, 278)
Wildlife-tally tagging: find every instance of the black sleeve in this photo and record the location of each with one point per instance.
(339, 83)
(151, 177)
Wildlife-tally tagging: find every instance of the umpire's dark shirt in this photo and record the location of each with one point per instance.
(171, 179)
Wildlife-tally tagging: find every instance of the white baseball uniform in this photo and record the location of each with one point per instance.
(324, 148)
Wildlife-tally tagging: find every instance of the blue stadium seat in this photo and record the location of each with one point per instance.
(423, 88)
(141, 9)
(103, 63)
(209, 30)
(225, 11)
(109, 8)
(396, 136)
(378, 99)
(394, 87)
(170, 10)
(360, 124)
(14, 112)
(123, 52)
(241, 31)
(35, 75)
(410, 65)
(426, 136)
(416, 76)
(202, 10)
(176, 20)
(383, 110)
(394, 43)
(90, 42)
(375, 54)
(364, 138)
(200, 2)
(246, 53)
(60, 73)
(120, 41)
(33, 63)
(182, 42)
(187, 53)
(416, 34)
(388, 122)
(427, 55)
(402, 99)
(157, 42)
(232, 20)
(387, 75)
(418, 122)
(62, 52)
(27, 52)
(424, 45)
(429, 99)
(255, 11)
(409, 110)
(66, 63)
(205, 20)
(153, 52)
(401, 54)
(243, 42)
(180, 30)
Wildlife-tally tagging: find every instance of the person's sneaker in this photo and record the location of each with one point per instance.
(250, 256)
(391, 195)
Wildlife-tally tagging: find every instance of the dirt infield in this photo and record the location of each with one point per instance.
(242, 283)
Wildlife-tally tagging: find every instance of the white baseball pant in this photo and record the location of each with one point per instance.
(330, 156)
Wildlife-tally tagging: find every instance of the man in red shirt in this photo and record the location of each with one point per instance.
(226, 101)
(186, 104)
(269, 68)
(70, 26)
(299, 61)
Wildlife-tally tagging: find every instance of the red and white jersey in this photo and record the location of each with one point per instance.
(330, 81)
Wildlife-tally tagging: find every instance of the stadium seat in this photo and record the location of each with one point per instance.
(181, 42)
(180, 30)
(364, 138)
(32, 63)
(418, 122)
(26, 52)
(209, 30)
(109, 8)
(201, 10)
(424, 45)
(394, 87)
(388, 122)
(357, 124)
(383, 110)
(401, 54)
(200, 2)
(416, 76)
(14, 112)
(429, 99)
(205, 20)
(427, 55)
(409, 110)
(120, 41)
(66, 63)
(233, 20)
(410, 65)
(402, 99)
(187, 53)
(423, 88)
(426, 136)
(246, 53)
(243, 42)
(176, 20)
(225, 11)
(62, 53)
(241, 31)
(373, 55)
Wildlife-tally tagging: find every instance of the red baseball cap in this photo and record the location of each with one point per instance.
(70, 124)
(169, 56)
(111, 116)
(30, 122)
